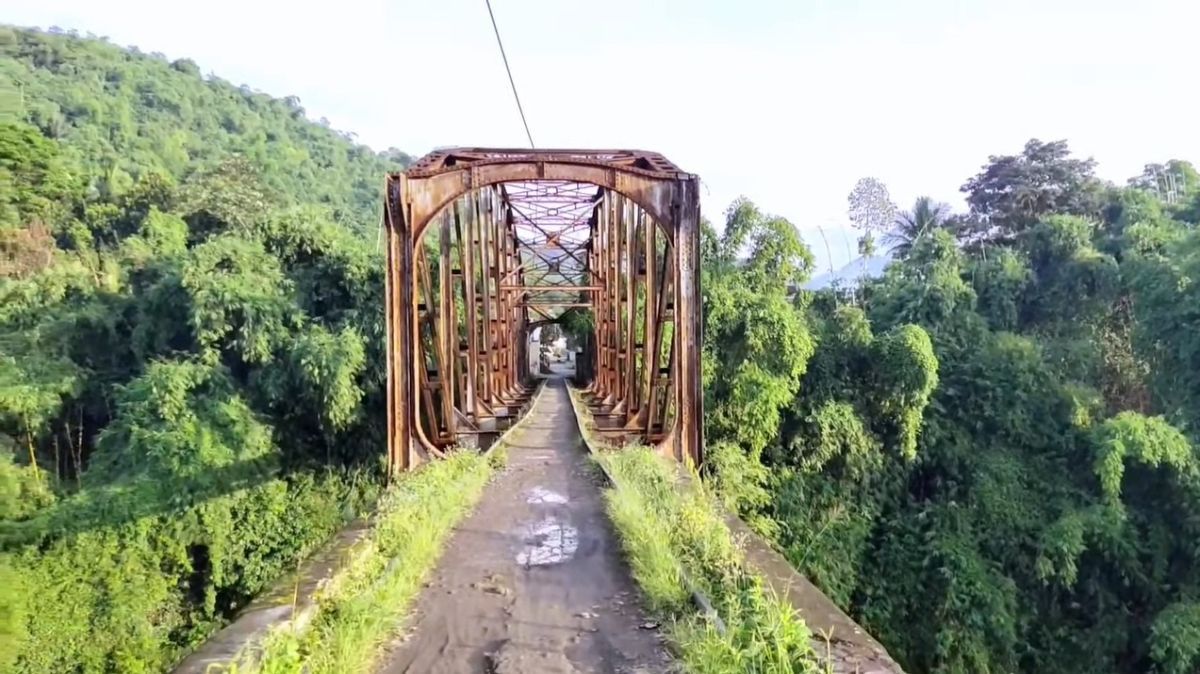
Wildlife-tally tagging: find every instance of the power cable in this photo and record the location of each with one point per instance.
(509, 71)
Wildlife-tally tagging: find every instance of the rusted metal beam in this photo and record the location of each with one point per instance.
(469, 350)
(565, 287)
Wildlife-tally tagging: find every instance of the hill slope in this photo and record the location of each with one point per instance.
(120, 114)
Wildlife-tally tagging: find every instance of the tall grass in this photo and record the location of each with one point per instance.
(673, 535)
(366, 603)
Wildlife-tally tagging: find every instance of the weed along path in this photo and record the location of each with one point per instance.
(533, 581)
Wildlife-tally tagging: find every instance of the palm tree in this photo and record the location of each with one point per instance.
(926, 215)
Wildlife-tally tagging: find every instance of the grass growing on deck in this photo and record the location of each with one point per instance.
(367, 602)
(669, 528)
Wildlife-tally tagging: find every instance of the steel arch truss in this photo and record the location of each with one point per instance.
(485, 245)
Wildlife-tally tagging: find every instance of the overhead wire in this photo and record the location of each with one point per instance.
(507, 69)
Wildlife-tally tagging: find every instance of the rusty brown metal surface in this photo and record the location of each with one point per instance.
(634, 161)
(486, 245)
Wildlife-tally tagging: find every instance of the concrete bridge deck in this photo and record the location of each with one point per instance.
(533, 581)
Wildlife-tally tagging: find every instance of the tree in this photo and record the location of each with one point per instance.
(228, 196)
(1012, 192)
(871, 211)
(397, 156)
(756, 343)
(767, 249)
(1173, 182)
(926, 215)
(871, 207)
(33, 180)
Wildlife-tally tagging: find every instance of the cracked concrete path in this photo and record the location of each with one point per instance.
(533, 581)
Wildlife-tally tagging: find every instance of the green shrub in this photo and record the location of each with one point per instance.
(135, 596)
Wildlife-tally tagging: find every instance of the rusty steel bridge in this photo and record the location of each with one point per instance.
(486, 245)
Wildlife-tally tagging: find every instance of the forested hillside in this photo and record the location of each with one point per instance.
(988, 455)
(121, 114)
(190, 349)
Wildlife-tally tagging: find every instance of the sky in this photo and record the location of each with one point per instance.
(788, 102)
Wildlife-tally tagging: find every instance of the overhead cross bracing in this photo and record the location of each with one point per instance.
(486, 245)
(552, 229)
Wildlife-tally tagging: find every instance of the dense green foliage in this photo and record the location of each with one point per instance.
(120, 114)
(190, 336)
(989, 455)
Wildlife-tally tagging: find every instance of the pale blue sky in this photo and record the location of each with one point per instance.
(786, 102)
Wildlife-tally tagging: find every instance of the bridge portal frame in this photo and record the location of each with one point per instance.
(414, 198)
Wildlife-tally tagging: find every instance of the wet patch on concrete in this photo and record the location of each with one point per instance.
(541, 496)
(548, 541)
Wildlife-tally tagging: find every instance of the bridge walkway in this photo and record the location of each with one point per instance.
(533, 582)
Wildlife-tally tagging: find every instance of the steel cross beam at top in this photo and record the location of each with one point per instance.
(485, 246)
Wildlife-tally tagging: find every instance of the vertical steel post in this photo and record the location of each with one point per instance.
(689, 392)
(466, 257)
(399, 296)
(629, 367)
(446, 339)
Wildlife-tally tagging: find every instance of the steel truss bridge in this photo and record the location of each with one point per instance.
(486, 245)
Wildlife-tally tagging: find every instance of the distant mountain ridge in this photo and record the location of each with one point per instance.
(850, 273)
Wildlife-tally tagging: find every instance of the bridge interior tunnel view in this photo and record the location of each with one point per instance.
(491, 250)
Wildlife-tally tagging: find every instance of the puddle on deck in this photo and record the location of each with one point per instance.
(543, 496)
(548, 541)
